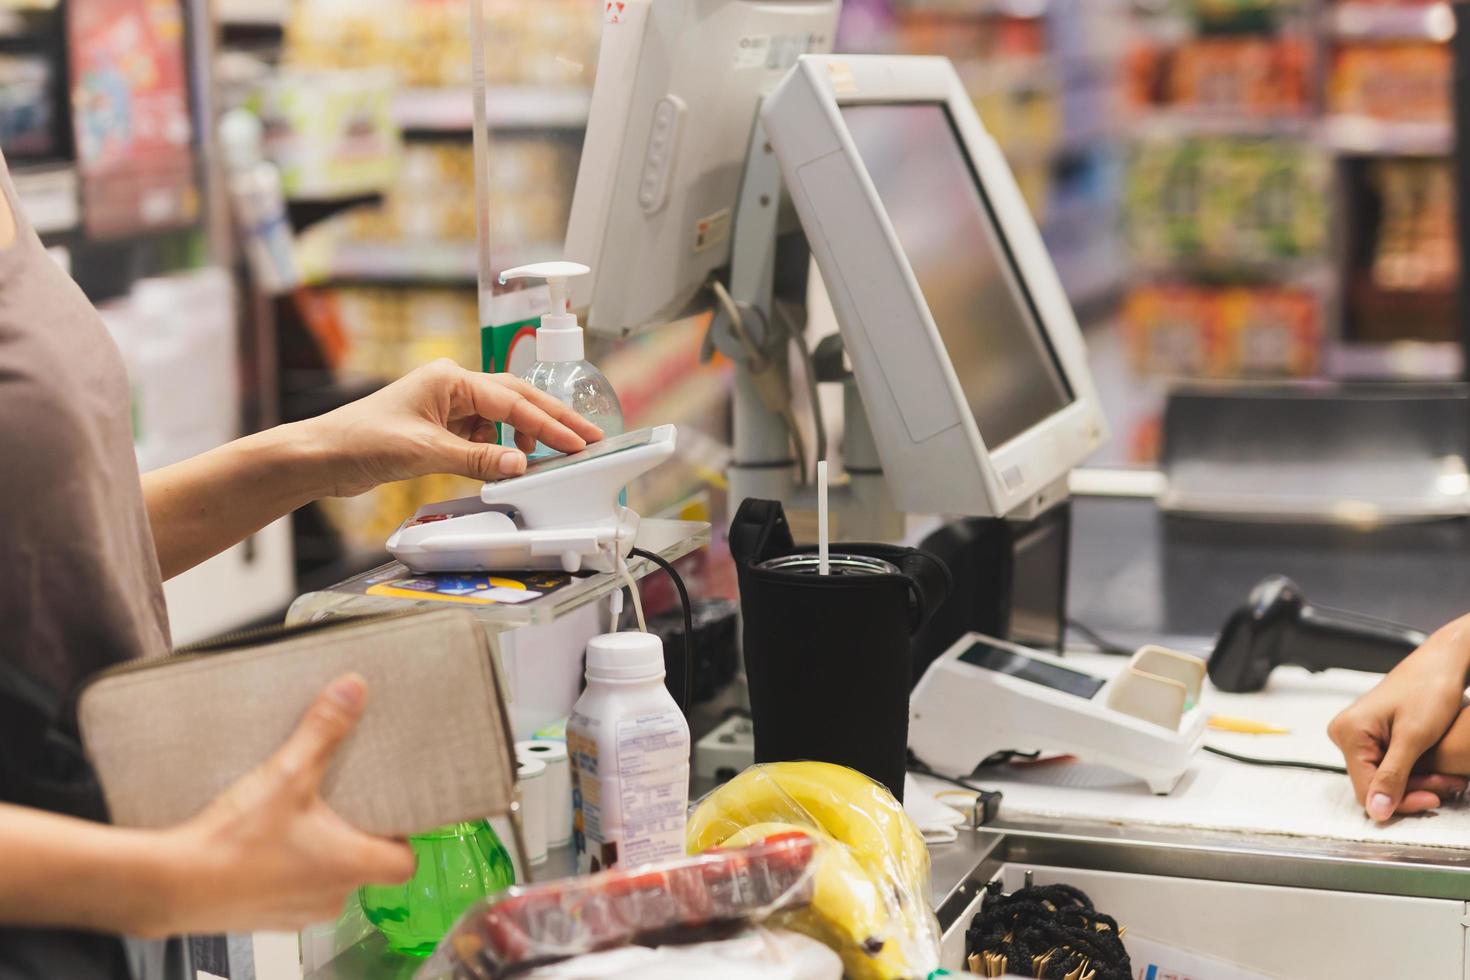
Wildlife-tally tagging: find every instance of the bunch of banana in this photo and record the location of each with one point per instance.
(870, 902)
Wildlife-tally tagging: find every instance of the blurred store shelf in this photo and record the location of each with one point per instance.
(1362, 136)
(266, 16)
(1404, 360)
(1309, 272)
(1021, 9)
(1393, 22)
(48, 196)
(1172, 124)
(447, 110)
(428, 262)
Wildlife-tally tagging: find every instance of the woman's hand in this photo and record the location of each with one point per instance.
(441, 419)
(1386, 733)
(1452, 755)
(268, 854)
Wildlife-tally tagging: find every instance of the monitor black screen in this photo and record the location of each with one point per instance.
(946, 225)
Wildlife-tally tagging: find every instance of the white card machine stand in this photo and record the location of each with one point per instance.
(984, 696)
(562, 514)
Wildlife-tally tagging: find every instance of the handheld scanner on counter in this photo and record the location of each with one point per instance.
(1278, 626)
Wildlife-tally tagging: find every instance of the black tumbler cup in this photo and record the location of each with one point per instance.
(828, 656)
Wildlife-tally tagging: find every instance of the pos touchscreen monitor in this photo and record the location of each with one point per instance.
(970, 361)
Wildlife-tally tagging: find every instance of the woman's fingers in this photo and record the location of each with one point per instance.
(499, 401)
(1407, 742)
(552, 407)
(363, 858)
(1418, 801)
(304, 758)
(485, 461)
(1361, 752)
(1445, 787)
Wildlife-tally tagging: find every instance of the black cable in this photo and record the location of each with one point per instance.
(1276, 763)
(1103, 644)
(1055, 923)
(678, 581)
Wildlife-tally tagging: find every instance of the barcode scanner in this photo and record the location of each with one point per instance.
(1278, 626)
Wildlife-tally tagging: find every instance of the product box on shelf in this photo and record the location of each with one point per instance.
(1227, 201)
(1201, 332)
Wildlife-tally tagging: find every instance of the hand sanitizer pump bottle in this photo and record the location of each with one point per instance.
(562, 369)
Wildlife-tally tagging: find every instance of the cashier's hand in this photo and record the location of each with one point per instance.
(441, 419)
(269, 854)
(1387, 736)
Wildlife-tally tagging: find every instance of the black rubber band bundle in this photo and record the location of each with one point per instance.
(1050, 932)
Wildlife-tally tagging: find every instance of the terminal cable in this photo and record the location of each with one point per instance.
(633, 590)
(1250, 760)
(678, 581)
(1102, 643)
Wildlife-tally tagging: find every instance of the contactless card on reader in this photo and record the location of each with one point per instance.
(597, 450)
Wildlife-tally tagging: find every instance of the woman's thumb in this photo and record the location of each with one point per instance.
(1392, 778)
(480, 460)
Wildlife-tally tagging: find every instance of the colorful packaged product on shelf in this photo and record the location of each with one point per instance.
(1226, 332)
(527, 42)
(1268, 332)
(1399, 82)
(28, 124)
(331, 132)
(1168, 330)
(1223, 202)
(1257, 77)
(1240, 15)
(1415, 249)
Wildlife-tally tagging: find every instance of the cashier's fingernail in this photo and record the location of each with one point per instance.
(512, 463)
(349, 692)
(1380, 806)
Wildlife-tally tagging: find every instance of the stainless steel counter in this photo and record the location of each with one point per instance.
(961, 870)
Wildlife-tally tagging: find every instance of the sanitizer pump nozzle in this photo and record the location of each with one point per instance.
(560, 338)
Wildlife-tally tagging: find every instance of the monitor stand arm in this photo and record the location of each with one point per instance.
(770, 264)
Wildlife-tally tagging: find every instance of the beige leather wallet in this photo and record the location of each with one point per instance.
(433, 746)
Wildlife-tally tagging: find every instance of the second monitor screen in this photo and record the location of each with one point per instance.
(1008, 372)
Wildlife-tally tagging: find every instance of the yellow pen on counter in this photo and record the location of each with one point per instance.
(1244, 726)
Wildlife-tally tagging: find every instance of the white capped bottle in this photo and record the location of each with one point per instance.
(562, 369)
(629, 744)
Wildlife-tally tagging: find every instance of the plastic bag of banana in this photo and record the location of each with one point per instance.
(871, 898)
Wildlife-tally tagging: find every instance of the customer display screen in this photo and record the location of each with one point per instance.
(947, 228)
(1003, 661)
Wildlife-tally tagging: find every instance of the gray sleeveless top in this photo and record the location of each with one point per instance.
(79, 581)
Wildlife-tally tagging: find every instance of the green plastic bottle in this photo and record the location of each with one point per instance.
(457, 866)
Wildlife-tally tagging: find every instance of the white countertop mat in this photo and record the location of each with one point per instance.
(1218, 794)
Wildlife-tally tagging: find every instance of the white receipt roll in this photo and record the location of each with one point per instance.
(532, 777)
(558, 786)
